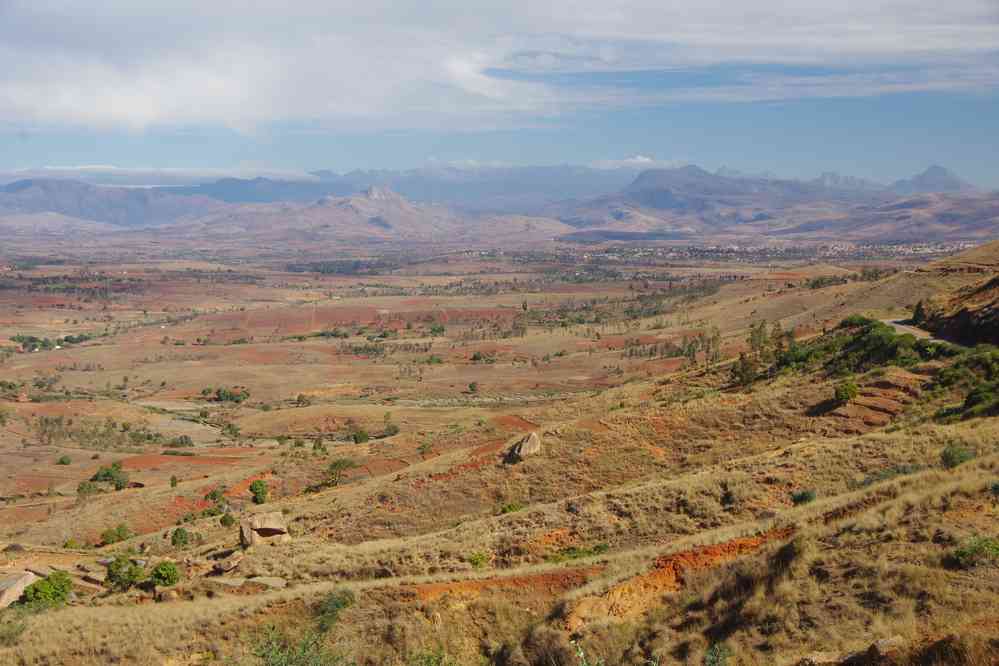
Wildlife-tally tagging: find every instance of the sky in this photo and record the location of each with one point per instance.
(872, 89)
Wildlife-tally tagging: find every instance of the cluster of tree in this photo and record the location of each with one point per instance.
(767, 345)
(236, 394)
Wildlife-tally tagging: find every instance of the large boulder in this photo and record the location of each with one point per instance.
(522, 447)
(12, 586)
(263, 528)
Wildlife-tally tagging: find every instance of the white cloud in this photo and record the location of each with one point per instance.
(138, 64)
(638, 162)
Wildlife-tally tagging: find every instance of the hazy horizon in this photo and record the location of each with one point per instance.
(873, 90)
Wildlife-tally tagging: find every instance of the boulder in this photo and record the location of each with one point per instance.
(13, 586)
(167, 596)
(522, 447)
(263, 528)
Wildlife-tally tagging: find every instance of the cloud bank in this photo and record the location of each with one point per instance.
(312, 66)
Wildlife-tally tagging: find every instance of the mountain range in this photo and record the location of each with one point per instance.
(489, 205)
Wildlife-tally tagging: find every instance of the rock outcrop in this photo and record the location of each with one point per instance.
(263, 528)
(13, 586)
(523, 447)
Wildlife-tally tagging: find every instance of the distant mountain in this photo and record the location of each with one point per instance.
(114, 205)
(491, 189)
(934, 179)
(834, 181)
(264, 190)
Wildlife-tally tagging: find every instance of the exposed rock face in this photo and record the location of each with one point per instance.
(263, 528)
(13, 586)
(228, 564)
(528, 445)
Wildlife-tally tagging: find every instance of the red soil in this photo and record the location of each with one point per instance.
(548, 584)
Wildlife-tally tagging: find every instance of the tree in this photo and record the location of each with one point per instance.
(53, 590)
(180, 538)
(336, 469)
(744, 371)
(259, 491)
(123, 573)
(165, 574)
(174, 481)
(473, 387)
(113, 475)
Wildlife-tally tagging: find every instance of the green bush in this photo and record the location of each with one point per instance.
(116, 534)
(53, 590)
(227, 520)
(329, 609)
(174, 481)
(360, 436)
(259, 491)
(954, 455)
(802, 497)
(165, 574)
(975, 552)
(64, 460)
(846, 391)
(124, 574)
(478, 560)
(512, 507)
(180, 538)
(113, 475)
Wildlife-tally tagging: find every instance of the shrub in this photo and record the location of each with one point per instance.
(116, 534)
(165, 574)
(174, 481)
(360, 436)
(846, 391)
(259, 491)
(124, 574)
(478, 560)
(64, 460)
(954, 455)
(512, 507)
(87, 488)
(336, 469)
(473, 387)
(391, 430)
(577, 552)
(227, 520)
(803, 497)
(975, 552)
(180, 538)
(53, 590)
(11, 627)
(328, 611)
(113, 475)
(275, 648)
(994, 488)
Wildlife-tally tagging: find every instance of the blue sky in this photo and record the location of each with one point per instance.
(874, 91)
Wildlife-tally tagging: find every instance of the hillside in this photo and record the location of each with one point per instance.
(970, 314)
(498, 460)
